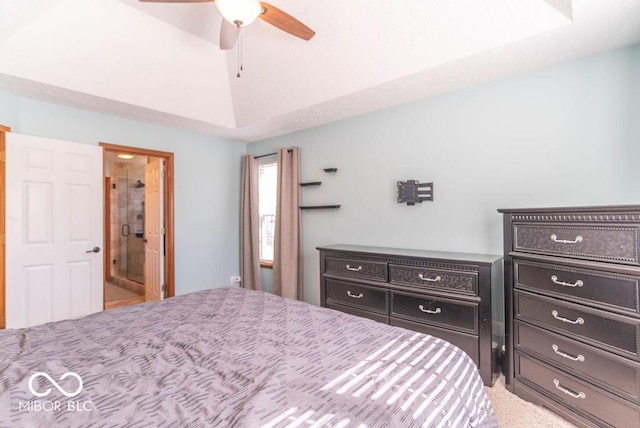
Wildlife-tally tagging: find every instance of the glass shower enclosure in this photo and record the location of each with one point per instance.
(127, 222)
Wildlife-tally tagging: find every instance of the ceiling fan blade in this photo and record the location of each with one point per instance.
(285, 22)
(228, 35)
(175, 1)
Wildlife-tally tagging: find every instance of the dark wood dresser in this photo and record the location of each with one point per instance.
(573, 312)
(454, 296)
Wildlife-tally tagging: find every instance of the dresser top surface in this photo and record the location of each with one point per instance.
(403, 252)
(591, 209)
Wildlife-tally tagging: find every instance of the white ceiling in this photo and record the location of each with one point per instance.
(161, 62)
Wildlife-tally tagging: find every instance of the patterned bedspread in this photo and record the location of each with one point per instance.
(234, 358)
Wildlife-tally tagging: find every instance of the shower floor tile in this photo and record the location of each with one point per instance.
(116, 296)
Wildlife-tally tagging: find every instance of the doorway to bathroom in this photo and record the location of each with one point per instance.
(138, 225)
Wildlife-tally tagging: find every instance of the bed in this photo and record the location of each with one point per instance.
(232, 357)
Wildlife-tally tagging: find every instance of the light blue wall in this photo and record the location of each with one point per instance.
(207, 180)
(557, 136)
(634, 115)
(9, 109)
(563, 135)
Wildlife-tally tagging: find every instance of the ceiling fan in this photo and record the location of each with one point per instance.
(240, 13)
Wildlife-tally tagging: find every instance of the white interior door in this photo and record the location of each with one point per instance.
(153, 230)
(54, 228)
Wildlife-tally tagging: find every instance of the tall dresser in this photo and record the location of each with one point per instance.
(572, 309)
(454, 296)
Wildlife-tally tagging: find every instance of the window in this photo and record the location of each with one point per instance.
(267, 191)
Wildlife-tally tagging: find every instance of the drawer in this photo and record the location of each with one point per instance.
(615, 333)
(607, 409)
(359, 295)
(437, 279)
(383, 318)
(615, 291)
(467, 342)
(585, 241)
(376, 271)
(616, 374)
(437, 311)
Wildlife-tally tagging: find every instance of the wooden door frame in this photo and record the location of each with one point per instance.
(169, 267)
(3, 236)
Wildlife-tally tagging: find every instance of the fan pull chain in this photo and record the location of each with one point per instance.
(240, 55)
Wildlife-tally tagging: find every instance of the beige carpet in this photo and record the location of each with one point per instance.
(514, 412)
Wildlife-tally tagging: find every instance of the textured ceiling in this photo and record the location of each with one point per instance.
(161, 62)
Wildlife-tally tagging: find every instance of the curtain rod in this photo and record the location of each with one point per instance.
(269, 154)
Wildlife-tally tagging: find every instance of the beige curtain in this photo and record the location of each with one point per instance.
(287, 260)
(249, 228)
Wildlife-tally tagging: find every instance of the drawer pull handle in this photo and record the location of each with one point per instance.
(438, 278)
(581, 394)
(578, 283)
(358, 269)
(554, 238)
(580, 357)
(355, 296)
(429, 311)
(567, 320)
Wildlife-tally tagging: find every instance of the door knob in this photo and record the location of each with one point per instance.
(94, 250)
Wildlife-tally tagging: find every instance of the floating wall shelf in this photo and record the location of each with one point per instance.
(319, 207)
(317, 183)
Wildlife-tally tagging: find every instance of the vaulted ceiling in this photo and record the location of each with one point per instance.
(161, 63)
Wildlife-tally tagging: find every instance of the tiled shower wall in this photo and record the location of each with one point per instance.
(127, 208)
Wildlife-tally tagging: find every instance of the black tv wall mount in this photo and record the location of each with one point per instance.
(412, 192)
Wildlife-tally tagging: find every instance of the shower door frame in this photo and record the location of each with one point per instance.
(169, 266)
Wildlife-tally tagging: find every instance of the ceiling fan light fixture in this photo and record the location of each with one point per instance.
(239, 12)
